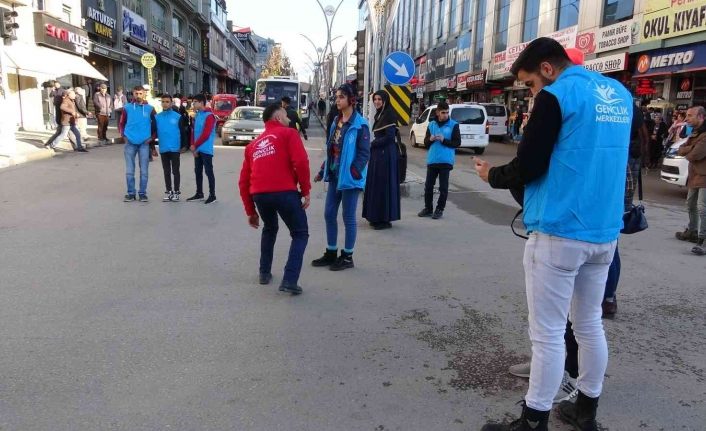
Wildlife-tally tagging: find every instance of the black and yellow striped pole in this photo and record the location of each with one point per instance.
(401, 101)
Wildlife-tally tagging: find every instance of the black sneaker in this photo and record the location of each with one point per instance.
(81, 150)
(167, 196)
(530, 420)
(381, 226)
(211, 198)
(426, 212)
(438, 214)
(344, 261)
(265, 278)
(196, 197)
(581, 414)
(129, 198)
(290, 288)
(329, 258)
(143, 198)
(700, 248)
(176, 196)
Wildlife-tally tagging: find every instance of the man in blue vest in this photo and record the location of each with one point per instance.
(442, 138)
(138, 129)
(571, 165)
(202, 138)
(171, 131)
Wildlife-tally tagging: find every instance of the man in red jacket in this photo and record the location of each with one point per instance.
(275, 179)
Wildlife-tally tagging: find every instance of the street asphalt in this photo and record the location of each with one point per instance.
(147, 316)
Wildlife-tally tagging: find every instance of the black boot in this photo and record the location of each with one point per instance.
(329, 258)
(581, 414)
(344, 261)
(531, 420)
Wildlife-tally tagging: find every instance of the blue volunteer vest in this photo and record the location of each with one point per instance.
(438, 152)
(348, 153)
(199, 123)
(168, 131)
(581, 195)
(139, 125)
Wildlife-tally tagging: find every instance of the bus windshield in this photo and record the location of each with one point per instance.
(269, 92)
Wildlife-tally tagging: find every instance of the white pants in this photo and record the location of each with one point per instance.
(562, 276)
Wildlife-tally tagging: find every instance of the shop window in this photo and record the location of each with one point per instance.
(177, 27)
(135, 6)
(480, 36)
(466, 15)
(529, 28)
(134, 75)
(568, 13)
(453, 17)
(159, 15)
(194, 39)
(501, 25)
(66, 13)
(441, 14)
(615, 11)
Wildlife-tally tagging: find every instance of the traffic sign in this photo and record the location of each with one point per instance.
(398, 68)
(148, 60)
(401, 102)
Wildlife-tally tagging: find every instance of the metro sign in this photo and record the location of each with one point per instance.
(81, 43)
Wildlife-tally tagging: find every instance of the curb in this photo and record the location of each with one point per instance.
(20, 159)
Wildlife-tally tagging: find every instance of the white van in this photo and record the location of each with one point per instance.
(497, 119)
(472, 120)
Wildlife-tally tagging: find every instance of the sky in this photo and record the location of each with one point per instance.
(284, 20)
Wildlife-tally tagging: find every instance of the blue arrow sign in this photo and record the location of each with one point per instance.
(398, 68)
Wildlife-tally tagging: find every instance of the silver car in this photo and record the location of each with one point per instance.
(244, 124)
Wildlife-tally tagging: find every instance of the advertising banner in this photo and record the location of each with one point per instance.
(669, 60)
(611, 63)
(463, 53)
(665, 19)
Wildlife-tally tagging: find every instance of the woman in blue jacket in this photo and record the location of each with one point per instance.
(345, 169)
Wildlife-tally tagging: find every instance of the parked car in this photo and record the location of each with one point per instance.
(244, 124)
(472, 120)
(222, 106)
(497, 119)
(675, 168)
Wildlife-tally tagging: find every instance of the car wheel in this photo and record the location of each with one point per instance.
(414, 140)
(479, 151)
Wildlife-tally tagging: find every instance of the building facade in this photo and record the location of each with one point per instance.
(464, 49)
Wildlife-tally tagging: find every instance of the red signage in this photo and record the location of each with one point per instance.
(685, 84)
(645, 87)
(476, 80)
(643, 63)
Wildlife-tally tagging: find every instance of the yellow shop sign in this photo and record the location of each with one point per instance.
(664, 19)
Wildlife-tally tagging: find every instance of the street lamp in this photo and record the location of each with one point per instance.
(329, 15)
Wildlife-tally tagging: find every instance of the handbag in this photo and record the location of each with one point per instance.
(634, 221)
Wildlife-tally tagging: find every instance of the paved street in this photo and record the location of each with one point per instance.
(133, 316)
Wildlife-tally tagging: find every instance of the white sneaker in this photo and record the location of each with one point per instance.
(567, 390)
(167, 197)
(175, 196)
(520, 370)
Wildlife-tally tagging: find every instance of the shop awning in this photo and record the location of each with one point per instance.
(41, 62)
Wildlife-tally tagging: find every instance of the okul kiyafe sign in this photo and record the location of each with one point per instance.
(664, 19)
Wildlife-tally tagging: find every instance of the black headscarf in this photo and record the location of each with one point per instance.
(385, 117)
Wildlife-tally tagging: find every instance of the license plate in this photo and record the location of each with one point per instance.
(468, 136)
(243, 138)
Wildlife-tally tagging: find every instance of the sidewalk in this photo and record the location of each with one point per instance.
(30, 145)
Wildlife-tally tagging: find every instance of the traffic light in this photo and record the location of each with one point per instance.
(9, 26)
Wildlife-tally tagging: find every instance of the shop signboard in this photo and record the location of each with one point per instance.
(451, 82)
(440, 61)
(101, 18)
(476, 80)
(664, 19)
(161, 43)
(669, 60)
(431, 66)
(645, 87)
(440, 84)
(502, 65)
(179, 51)
(684, 90)
(51, 32)
(463, 53)
(461, 81)
(134, 26)
(450, 61)
(609, 38)
(608, 64)
(194, 63)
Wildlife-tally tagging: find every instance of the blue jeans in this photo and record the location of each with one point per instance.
(144, 159)
(611, 284)
(334, 198)
(287, 205)
(62, 132)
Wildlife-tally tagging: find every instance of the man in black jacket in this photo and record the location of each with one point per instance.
(294, 121)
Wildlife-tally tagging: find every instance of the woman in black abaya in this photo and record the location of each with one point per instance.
(381, 201)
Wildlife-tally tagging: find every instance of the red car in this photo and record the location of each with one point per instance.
(222, 106)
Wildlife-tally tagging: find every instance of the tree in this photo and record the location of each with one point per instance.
(277, 64)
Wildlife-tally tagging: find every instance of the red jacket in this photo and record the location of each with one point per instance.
(274, 162)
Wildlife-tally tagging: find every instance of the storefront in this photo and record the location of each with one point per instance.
(677, 75)
(471, 87)
(101, 23)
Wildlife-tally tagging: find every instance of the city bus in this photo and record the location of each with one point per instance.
(272, 90)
